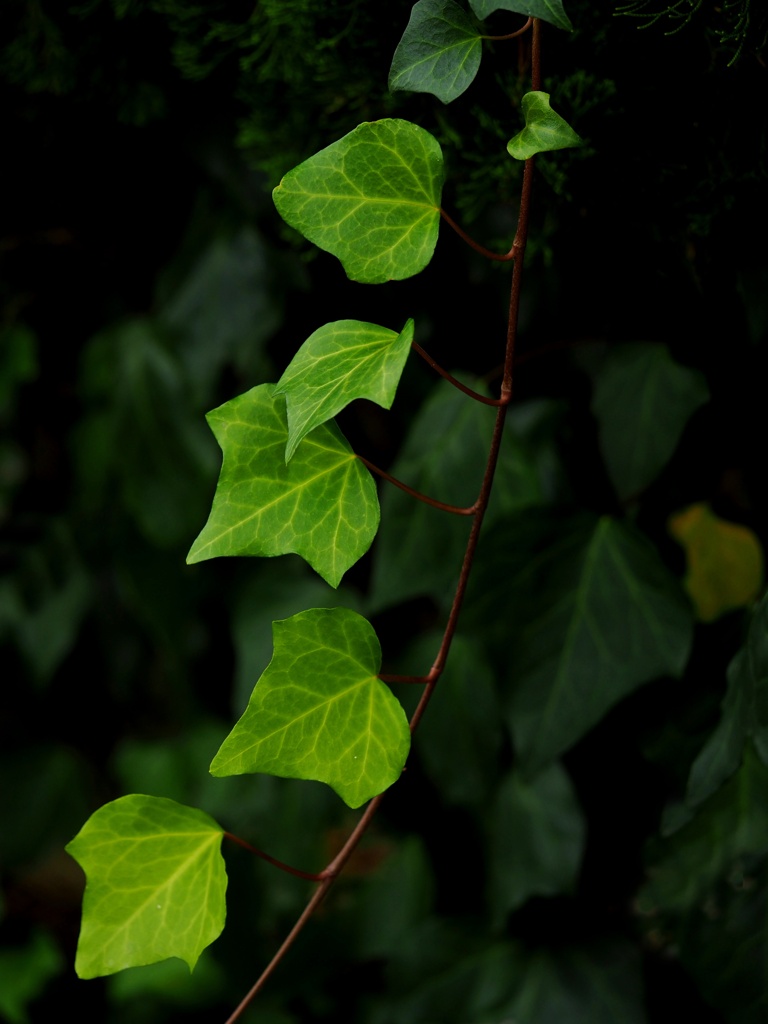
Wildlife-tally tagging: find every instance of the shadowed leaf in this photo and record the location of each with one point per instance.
(548, 10)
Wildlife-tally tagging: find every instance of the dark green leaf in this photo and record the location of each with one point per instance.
(322, 506)
(155, 886)
(24, 973)
(642, 401)
(548, 10)
(439, 53)
(544, 129)
(460, 740)
(745, 714)
(537, 835)
(340, 362)
(320, 711)
(372, 199)
(582, 613)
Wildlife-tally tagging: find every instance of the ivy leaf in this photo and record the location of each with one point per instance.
(583, 614)
(341, 361)
(642, 401)
(536, 839)
(155, 886)
(548, 10)
(544, 129)
(323, 506)
(319, 711)
(745, 714)
(372, 199)
(439, 53)
(725, 561)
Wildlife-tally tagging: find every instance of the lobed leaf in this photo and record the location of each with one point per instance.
(323, 506)
(340, 362)
(155, 888)
(642, 401)
(372, 199)
(582, 614)
(439, 53)
(544, 129)
(319, 711)
(548, 10)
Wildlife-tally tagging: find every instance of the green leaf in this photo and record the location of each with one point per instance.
(745, 715)
(155, 886)
(320, 711)
(420, 548)
(544, 129)
(323, 506)
(582, 614)
(24, 973)
(439, 53)
(548, 10)
(537, 835)
(642, 401)
(372, 199)
(340, 362)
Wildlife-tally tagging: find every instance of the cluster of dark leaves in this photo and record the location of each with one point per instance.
(571, 870)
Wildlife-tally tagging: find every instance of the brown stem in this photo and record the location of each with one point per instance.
(336, 865)
(510, 35)
(457, 510)
(273, 860)
(476, 245)
(449, 377)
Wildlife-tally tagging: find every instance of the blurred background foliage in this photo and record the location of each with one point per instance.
(582, 832)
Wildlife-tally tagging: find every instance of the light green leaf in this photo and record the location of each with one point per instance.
(24, 973)
(320, 711)
(544, 129)
(439, 53)
(745, 715)
(537, 834)
(341, 361)
(155, 886)
(420, 548)
(582, 613)
(548, 10)
(372, 199)
(323, 506)
(642, 402)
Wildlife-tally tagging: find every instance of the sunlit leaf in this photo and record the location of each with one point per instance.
(372, 199)
(155, 884)
(320, 712)
(725, 561)
(582, 613)
(340, 362)
(744, 715)
(537, 837)
(439, 53)
(544, 129)
(322, 506)
(642, 401)
(548, 10)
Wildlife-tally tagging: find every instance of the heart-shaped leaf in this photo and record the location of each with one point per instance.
(323, 506)
(372, 199)
(319, 710)
(156, 884)
(548, 10)
(341, 361)
(439, 53)
(544, 129)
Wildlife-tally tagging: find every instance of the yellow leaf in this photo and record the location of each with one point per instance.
(725, 561)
